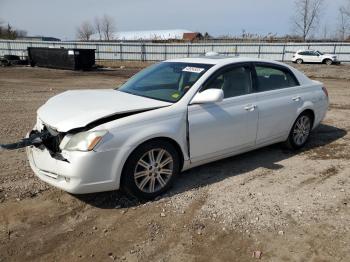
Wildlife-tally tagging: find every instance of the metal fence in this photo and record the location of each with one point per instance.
(115, 51)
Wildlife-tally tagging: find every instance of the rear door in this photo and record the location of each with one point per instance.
(220, 128)
(278, 100)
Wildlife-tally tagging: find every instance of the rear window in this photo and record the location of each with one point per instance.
(271, 78)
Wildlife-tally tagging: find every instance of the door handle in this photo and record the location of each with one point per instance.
(296, 99)
(250, 107)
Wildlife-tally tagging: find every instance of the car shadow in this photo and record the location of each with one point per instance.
(267, 157)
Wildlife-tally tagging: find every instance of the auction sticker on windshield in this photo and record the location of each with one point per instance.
(193, 69)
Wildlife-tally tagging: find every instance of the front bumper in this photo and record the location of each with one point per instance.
(83, 172)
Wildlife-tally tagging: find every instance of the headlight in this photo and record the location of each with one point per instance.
(83, 141)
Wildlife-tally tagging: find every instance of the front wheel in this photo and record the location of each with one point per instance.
(328, 62)
(151, 169)
(300, 132)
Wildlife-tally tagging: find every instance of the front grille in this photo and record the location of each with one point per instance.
(52, 142)
(50, 139)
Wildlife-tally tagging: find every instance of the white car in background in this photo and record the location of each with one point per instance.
(171, 117)
(313, 56)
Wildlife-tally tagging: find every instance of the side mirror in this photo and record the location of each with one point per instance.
(208, 96)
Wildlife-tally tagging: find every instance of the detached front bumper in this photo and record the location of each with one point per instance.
(83, 172)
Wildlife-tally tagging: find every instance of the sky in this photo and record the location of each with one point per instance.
(218, 17)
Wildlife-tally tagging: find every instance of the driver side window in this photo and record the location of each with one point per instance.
(234, 81)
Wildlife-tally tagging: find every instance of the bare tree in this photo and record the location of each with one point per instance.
(306, 16)
(346, 9)
(21, 33)
(343, 24)
(8, 32)
(344, 21)
(85, 31)
(325, 31)
(1, 27)
(107, 27)
(98, 27)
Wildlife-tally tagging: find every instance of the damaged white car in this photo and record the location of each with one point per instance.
(168, 118)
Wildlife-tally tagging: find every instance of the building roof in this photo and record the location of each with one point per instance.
(38, 38)
(191, 36)
(148, 35)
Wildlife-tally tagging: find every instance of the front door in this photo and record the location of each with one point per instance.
(228, 126)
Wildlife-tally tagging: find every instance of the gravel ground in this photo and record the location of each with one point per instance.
(291, 206)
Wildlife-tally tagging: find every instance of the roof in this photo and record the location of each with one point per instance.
(148, 35)
(40, 38)
(222, 60)
(191, 36)
(215, 60)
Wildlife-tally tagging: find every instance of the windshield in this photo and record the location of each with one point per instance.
(320, 53)
(166, 81)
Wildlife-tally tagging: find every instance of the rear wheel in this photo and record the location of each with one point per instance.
(299, 61)
(300, 132)
(328, 61)
(151, 169)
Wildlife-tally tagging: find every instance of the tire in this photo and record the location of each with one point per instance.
(142, 175)
(300, 132)
(299, 61)
(4, 62)
(328, 61)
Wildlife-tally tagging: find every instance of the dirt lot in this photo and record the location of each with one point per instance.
(290, 206)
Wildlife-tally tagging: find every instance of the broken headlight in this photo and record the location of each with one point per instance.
(83, 141)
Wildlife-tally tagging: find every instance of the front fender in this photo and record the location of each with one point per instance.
(123, 141)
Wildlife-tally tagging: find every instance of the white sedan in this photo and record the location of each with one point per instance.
(168, 118)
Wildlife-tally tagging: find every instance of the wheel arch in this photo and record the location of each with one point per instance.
(305, 110)
(309, 112)
(325, 59)
(170, 140)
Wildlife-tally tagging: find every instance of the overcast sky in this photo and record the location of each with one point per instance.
(218, 17)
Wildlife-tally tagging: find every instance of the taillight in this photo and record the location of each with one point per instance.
(325, 91)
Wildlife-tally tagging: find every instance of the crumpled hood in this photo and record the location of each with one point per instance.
(78, 108)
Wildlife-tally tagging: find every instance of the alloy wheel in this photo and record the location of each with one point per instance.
(153, 170)
(328, 62)
(301, 130)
